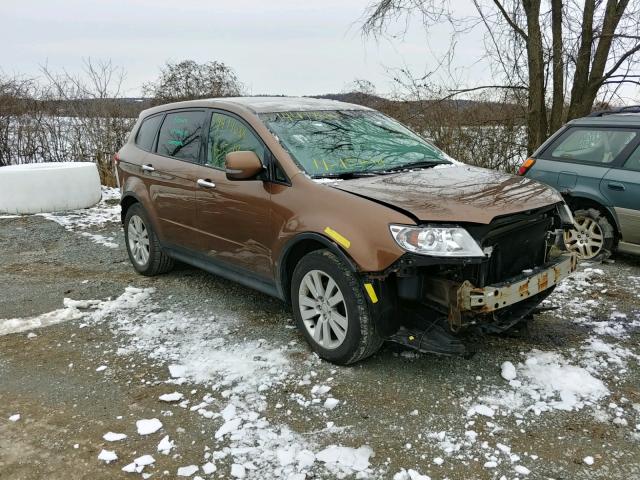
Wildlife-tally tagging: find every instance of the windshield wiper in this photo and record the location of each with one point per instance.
(421, 164)
(347, 175)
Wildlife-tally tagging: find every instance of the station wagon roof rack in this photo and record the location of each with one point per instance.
(627, 109)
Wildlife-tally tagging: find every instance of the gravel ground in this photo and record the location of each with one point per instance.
(253, 400)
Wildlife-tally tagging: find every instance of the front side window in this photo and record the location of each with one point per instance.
(147, 132)
(332, 143)
(180, 135)
(228, 134)
(592, 145)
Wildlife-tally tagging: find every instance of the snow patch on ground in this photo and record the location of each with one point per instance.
(106, 211)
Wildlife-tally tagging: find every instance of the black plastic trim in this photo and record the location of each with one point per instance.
(223, 269)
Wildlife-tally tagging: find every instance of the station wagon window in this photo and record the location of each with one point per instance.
(633, 162)
(592, 145)
(147, 132)
(180, 135)
(228, 134)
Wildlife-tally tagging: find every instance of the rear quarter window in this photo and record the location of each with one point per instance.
(633, 162)
(591, 145)
(147, 132)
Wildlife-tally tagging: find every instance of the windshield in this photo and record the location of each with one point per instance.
(334, 143)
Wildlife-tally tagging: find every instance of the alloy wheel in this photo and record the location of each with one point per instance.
(586, 239)
(138, 240)
(323, 309)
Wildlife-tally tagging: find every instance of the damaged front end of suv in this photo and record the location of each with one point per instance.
(489, 277)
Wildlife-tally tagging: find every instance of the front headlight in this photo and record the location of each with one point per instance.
(436, 241)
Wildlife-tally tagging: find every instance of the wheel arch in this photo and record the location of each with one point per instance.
(578, 201)
(126, 202)
(298, 247)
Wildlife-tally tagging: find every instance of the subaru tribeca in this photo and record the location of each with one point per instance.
(370, 232)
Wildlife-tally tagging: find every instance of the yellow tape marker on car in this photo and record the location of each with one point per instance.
(337, 237)
(372, 293)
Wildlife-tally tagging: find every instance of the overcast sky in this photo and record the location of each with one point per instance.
(276, 47)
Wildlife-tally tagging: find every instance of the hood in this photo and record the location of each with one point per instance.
(457, 193)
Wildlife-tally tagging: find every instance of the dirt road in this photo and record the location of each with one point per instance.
(251, 401)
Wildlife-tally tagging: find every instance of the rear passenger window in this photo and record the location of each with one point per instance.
(228, 134)
(633, 162)
(147, 132)
(592, 145)
(180, 135)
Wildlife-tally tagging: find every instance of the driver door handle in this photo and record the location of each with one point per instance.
(616, 186)
(205, 183)
(148, 168)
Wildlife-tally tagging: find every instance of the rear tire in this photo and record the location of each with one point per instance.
(327, 296)
(594, 237)
(145, 253)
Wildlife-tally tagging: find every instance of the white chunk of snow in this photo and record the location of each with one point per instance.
(305, 459)
(165, 446)
(107, 456)
(187, 471)
(355, 459)
(228, 427)
(148, 426)
(177, 371)
(522, 470)
(229, 412)
(208, 468)
(14, 418)
(588, 460)
(238, 471)
(508, 371)
(480, 410)
(171, 397)
(114, 437)
(331, 403)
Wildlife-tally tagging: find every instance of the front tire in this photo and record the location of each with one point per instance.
(593, 236)
(331, 310)
(145, 253)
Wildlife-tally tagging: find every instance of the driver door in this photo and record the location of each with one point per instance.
(233, 216)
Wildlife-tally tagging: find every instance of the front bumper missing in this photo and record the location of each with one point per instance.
(466, 302)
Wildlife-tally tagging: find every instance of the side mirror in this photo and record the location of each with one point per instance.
(243, 165)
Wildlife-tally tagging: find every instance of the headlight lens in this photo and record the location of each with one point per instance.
(436, 241)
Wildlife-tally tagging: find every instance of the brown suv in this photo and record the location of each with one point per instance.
(368, 230)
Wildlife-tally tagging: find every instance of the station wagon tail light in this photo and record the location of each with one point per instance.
(524, 168)
(116, 159)
(436, 241)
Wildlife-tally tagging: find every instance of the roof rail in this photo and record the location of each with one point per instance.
(627, 109)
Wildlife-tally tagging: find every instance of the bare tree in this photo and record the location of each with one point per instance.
(541, 47)
(188, 80)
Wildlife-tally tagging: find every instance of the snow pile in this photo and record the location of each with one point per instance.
(106, 211)
(547, 381)
(203, 350)
(71, 311)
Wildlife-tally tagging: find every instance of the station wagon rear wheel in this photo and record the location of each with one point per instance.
(592, 238)
(144, 249)
(331, 310)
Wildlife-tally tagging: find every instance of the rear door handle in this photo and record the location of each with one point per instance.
(616, 186)
(148, 168)
(205, 183)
